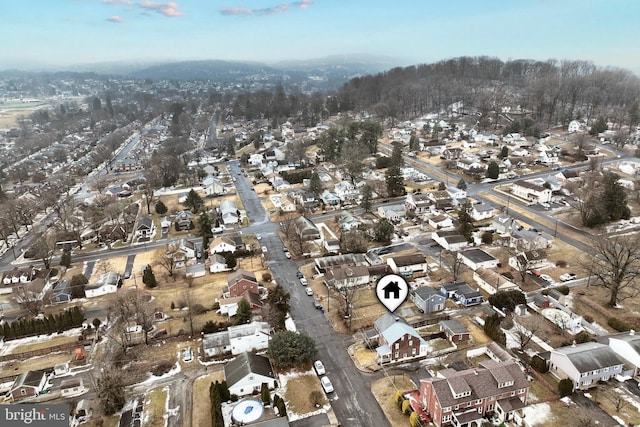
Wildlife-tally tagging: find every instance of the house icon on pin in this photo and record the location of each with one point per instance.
(392, 288)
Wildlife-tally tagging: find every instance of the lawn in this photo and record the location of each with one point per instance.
(627, 403)
(154, 407)
(201, 413)
(299, 387)
(384, 391)
(33, 364)
(53, 341)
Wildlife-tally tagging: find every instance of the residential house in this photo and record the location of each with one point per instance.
(442, 200)
(107, 283)
(452, 153)
(191, 248)
(462, 293)
(240, 281)
(451, 240)
(217, 263)
(332, 245)
(165, 224)
(439, 221)
(61, 291)
(464, 398)
(236, 340)
(212, 186)
(347, 276)
(72, 387)
(324, 264)
(146, 227)
(505, 225)
(27, 384)
(329, 198)
(20, 275)
(529, 240)
(397, 341)
(229, 306)
(428, 300)
(531, 192)
(237, 240)
(576, 126)
(306, 229)
(528, 260)
(112, 231)
(470, 165)
(491, 281)
(393, 213)
(345, 190)
(347, 221)
(418, 204)
(481, 211)
(246, 373)
(585, 364)
(229, 212)
(184, 219)
(454, 331)
(627, 346)
(221, 244)
(476, 258)
(408, 265)
(377, 271)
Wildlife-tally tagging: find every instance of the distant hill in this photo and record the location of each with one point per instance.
(202, 70)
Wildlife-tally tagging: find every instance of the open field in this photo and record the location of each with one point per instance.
(299, 387)
(33, 364)
(154, 406)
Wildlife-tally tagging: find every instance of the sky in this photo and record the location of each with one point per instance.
(39, 33)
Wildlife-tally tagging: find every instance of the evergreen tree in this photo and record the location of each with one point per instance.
(161, 208)
(414, 142)
(614, 198)
(504, 153)
(315, 185)
(243, 315)
(265, 394)
(396, 156)
(289, 349)
(395, 182)
(442, 186)
(465, 221)
(77, 285)
(462, 185)
(194, 201)
(367, 195)
(493, 170)
(65, 259)
(383, 230)
(277, 307)
(148, 278)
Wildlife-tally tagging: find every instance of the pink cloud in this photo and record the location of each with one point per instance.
(170, 9)
(280, 8)
(115, 18)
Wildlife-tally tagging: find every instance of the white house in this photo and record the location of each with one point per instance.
(585, 364)
(392, 212)
(246, 373)
(627, 346)
(221, 244)
(491, 281)
(476, 258)
(229, 212)
(72, 387)
(345, 190)
(217, 263)
(212, 186)
(439, 221)
(408, 264)
(107, 283)
(253, 336)
(450, 239)
(576, 126)
(532, 192)
(481, 211)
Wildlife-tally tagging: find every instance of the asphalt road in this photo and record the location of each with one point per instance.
(352, 402)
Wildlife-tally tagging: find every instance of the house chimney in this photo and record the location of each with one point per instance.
(632, 332)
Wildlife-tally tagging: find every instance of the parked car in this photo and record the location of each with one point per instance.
(188, 355)
(567, 276)
(326, 384)
(317, 304)
(299, 275)
(546, 278)
(319, 367)
(287, 254)
(264, 249)
(309, 291)
(303, 281)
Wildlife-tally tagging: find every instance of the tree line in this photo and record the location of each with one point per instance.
(70, 318)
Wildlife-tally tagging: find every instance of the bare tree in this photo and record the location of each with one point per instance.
(614, 262)
(453, 263)
(617, 399)
(165, 258)
(190, 313)
(31, 298)
(525, 328)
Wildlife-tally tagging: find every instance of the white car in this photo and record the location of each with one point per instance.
(309, 291)
(303, 281)
(188, 355)
(264, 249)
(567, 276)
(326, 384)
(546, 278)
(287, 254)
(319, 367)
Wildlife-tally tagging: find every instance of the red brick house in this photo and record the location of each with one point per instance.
(470, 397)
(455, 331)
(397, 341)
(239, 282)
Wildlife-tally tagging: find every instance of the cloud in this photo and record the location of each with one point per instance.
(115, 18)
(280, 8)
(116, 2)
(170, 9)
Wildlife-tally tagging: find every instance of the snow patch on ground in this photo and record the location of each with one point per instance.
(537, 414)
(11, 345)
(152, 378)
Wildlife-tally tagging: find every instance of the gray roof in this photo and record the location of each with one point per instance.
(630, 337)
(589, 356)
(215, 340)
(29, 378)
(245, 364)
(480, 381)
(239, 275)
(407, 260)
(477, 255)
(386, 320)
(399, 329)
(346, 259)
(453, 327)
(427, 292)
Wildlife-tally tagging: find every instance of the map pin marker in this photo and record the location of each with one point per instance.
(392, 290)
